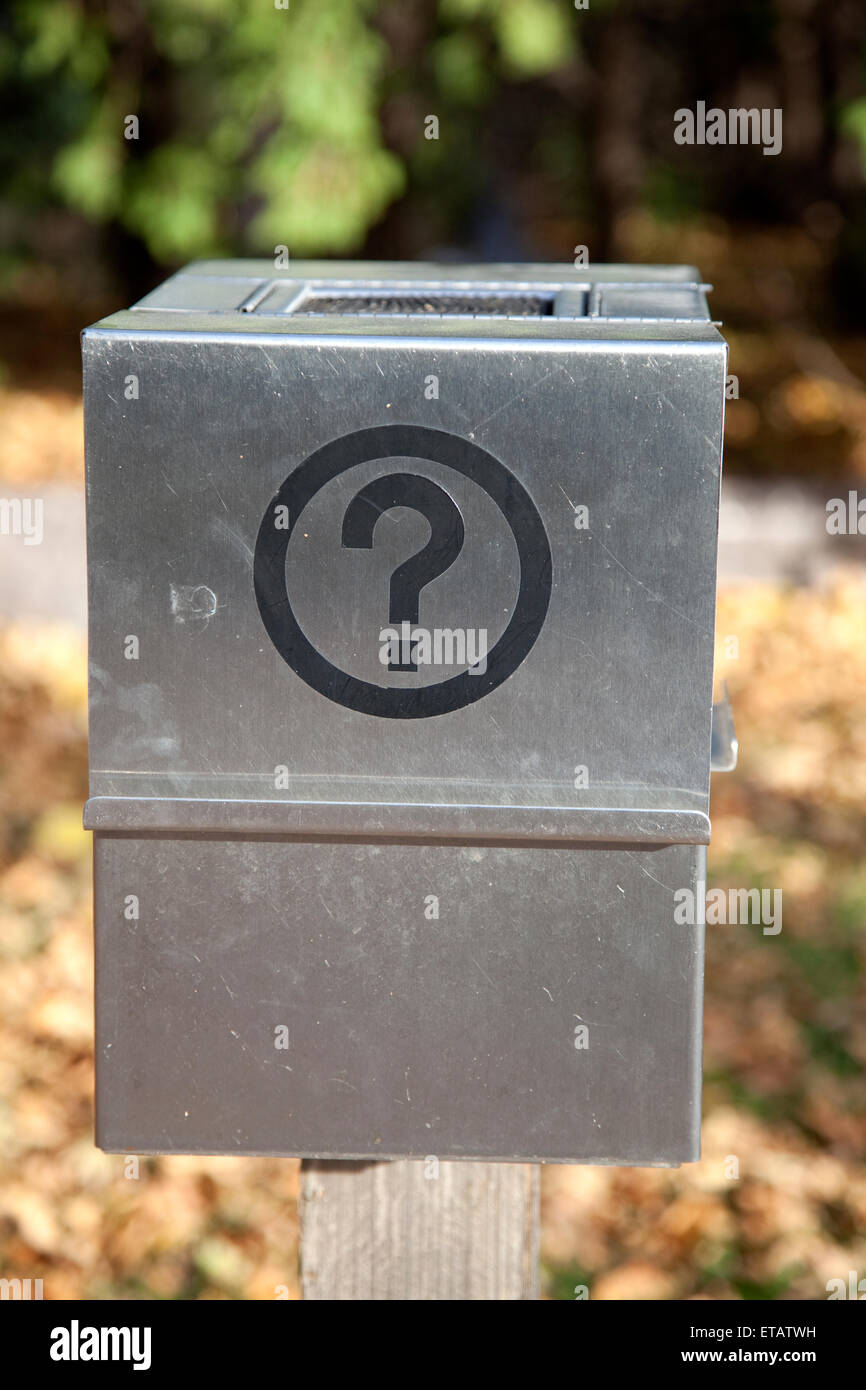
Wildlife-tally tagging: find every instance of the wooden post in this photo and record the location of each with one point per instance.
(419, 1229)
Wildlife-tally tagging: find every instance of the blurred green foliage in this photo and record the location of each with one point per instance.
(257, 125)
(235, 100)
(303, 123)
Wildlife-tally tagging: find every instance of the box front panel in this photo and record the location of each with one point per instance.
(323, 999)
(592, 679)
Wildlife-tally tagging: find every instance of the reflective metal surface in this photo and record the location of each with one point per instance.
(406, 1035)
(618, 681)
(433, 863)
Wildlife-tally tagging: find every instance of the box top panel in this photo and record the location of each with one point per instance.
(403, 298)
(573, 488)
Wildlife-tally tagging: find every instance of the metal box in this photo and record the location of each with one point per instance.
(402, 593)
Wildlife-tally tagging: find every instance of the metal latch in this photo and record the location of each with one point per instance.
(724, 746)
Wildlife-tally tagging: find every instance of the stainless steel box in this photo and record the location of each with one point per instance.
(402, 592)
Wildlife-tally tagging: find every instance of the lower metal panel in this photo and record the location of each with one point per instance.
(409, 1034)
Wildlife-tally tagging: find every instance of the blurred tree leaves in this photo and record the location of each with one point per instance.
(854, 123)
(534, 35)
(87, 172)
(258, 126)
(261, 126)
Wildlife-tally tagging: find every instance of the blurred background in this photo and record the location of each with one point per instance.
(305, 126)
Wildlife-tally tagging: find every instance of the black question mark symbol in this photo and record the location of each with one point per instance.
(440, 552)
